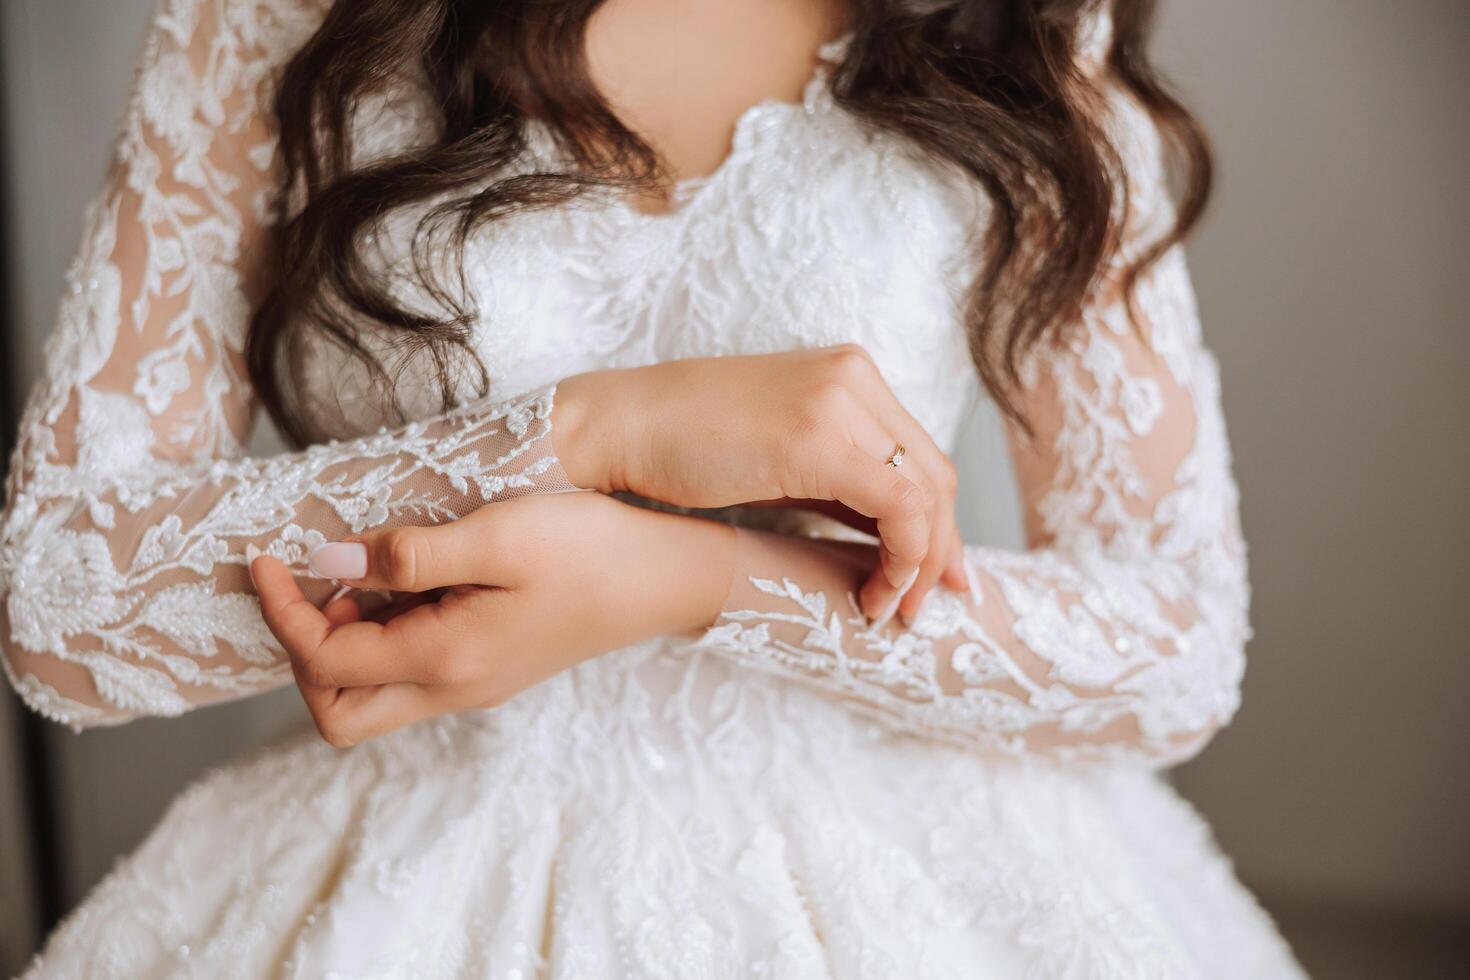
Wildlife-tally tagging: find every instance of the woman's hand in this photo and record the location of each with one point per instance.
(817, 425)
(500, 600)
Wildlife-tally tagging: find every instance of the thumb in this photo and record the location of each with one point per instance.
(413, 559)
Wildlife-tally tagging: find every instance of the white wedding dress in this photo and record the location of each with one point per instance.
(792, 794)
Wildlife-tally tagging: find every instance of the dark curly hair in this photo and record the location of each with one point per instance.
(992, 87)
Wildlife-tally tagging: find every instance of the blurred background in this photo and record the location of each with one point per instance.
(1332, 272)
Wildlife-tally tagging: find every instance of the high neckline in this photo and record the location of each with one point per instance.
(751, 125)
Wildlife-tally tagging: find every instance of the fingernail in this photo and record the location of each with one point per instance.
(903, 593)
(900, 586)
(339, 560)
(965, 571)
(974, 583)
(251, 553)
(887, 614)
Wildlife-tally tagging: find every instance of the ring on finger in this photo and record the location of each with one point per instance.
(895, 459)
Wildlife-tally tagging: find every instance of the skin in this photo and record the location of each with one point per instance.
(812, 426)
(498, 601)
(524, 589)
(681, 72)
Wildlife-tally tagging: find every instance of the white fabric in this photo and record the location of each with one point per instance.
(662, 811)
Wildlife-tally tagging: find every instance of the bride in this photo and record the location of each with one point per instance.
(475, 255)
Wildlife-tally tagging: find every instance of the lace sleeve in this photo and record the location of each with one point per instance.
(1120, 633)
(130, 506)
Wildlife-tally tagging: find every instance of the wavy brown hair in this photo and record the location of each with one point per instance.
(991, 87)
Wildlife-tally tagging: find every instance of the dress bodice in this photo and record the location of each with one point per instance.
(682, 807)
(814, 231)
(125, 542)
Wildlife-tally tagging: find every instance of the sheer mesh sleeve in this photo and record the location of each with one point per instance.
(1120, 632)
(130, 505)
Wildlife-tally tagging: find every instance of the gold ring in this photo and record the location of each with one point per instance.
(896, 460)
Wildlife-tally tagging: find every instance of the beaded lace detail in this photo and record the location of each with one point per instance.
(122, 551)
(672, 809)
(1119, 633)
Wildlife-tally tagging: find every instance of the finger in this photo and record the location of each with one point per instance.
(940, 545)
(417, 559)
(402, 604)
(414, 647)
(349, 716)
(901, 518)
(941, 530)
(317, 640)
(352, 653)
(295, 622)
(341, 611)
(925, 463)
(954, 576)
(939, 473)
(881, 595)
(318, 698)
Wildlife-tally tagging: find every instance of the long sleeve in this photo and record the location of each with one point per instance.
(1120, 632)
(130, 504)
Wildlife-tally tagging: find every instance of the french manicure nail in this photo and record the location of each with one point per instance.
(338, 560)
(908, 583)
(904, 617)
(974, 583)
(964, 570)
(883, 620)
(251, 553)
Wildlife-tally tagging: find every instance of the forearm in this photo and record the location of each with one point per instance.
(129, 595)
(681, 569)
(1041, 657)
(595, 419)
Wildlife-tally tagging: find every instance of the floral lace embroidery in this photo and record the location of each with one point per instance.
(122, 546)
(658, 811)
(1123, 630)
(1121, 637)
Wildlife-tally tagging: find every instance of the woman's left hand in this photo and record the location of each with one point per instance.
(506, 597)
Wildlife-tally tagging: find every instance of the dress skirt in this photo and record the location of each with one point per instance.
(658, 813)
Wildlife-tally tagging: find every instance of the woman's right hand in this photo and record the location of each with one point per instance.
(800, 427)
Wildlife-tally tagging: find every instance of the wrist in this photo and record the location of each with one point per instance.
(696, 565)
(578, 431)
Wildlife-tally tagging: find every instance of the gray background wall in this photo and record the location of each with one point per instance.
(1332, 277)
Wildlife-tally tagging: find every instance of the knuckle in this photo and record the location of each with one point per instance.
(911, 520)
(825, 402)
(337, 739)
(912, 499)
(849, 362)
(929, 497)
(500, 537)
(807, 428)
(331, 727)
(494, 696)
(400, 552)
(455, 667)
(949, 476)
(314, 672)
